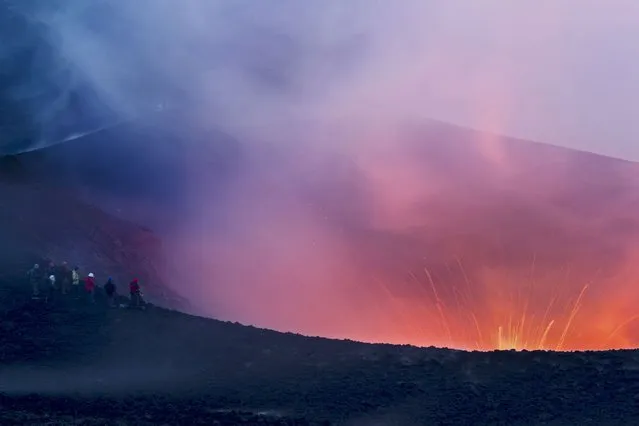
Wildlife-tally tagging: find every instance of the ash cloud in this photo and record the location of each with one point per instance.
(282, 151)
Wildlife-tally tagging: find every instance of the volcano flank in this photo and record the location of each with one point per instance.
(447, 237)
(503, 243)
(497, 263)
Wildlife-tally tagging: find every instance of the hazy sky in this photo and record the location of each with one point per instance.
(556, 71)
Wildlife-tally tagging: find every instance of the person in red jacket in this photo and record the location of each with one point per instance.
(135, 292)
(89, 286)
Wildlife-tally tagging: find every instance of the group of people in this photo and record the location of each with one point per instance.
(62, 279)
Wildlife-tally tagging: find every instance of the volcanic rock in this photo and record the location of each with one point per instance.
(71, 363)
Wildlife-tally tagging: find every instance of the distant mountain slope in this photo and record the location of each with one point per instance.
(508, 229)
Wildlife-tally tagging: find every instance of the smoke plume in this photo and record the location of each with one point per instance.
(285, 154)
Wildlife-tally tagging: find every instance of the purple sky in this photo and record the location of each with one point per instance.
(556, 71)
(563, 72)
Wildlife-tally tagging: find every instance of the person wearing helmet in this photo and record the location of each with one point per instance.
(89, 286)
(35, 278)
(75, 281)
(135, 293)
(110, 290)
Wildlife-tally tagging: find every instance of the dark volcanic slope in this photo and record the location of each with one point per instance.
(38, 220)
(163, 367)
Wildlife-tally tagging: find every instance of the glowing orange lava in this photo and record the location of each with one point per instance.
(534, 317)
(439, 237)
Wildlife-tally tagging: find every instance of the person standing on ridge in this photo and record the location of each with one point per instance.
(65, 277)
(135, 293)
(109, 289)
(51, 270)
(89, 286)
(35, 277)
(75, 281)
(52, 288)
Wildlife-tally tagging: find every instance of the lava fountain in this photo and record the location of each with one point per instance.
(430, 243)
(508, 312)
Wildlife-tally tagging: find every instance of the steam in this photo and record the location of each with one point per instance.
(511, 69)
(338, 188)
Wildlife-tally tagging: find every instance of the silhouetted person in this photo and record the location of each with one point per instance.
(89, 287)
(35, 278)
(135, 293)
(75, 281)
(52, 287)
(110, 290)
(64, 277)
(51, 270)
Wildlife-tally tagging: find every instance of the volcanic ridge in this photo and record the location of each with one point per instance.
(70, 362)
